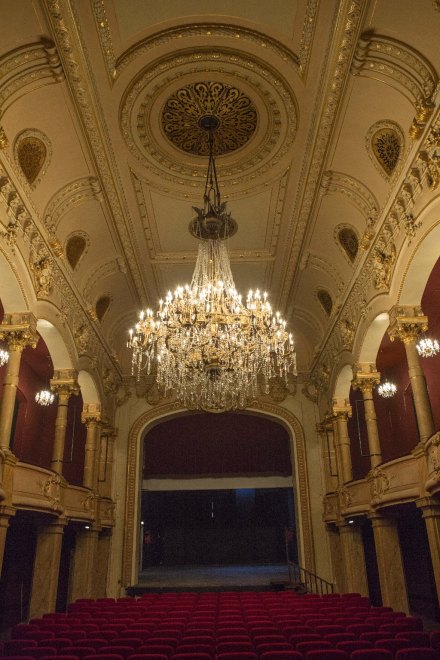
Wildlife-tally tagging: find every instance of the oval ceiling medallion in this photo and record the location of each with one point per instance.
(184, 111)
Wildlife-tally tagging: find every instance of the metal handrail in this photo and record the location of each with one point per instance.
(312, 582)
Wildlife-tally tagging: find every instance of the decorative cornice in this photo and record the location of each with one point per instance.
(407, 323)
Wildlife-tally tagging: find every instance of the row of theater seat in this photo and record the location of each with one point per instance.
(224, 626)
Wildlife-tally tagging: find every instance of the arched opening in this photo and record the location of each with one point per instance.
(217, 490)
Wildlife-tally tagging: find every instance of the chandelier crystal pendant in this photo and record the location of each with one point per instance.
(4, 357)
(427, 347)
(387, 389)
(44, 397)
(206, 345)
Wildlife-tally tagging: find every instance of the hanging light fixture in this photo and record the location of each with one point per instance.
(427, 347)
(45, 397)
(205, 343)
(386, 389)
(4, 357)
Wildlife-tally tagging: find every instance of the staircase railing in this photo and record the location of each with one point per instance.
(312, 582)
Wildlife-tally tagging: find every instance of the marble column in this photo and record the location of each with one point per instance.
(46, 568)
(341, 411)
(91, 417)
(83, 573)
(365, 379)
(390, 563)
(336, 557)
(18, 330)
(64, 383)
(430, 509)
(353, 558)
(408, 324)
(325, 430)
(6, 513)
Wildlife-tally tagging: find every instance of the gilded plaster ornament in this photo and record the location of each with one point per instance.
(384, 260)
(42, 270)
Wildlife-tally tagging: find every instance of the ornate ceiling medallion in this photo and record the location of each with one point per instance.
(184, 113)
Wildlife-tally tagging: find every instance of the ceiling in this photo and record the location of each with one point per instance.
(315, 99)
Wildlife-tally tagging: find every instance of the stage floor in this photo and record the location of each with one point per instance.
(216, 577)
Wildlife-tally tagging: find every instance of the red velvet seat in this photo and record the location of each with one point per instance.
(393, 645)
(125, 651)
(79, 651)
(308, 637)
(304, 647)
(340, 637)
(39, 651)
(249, 655)
(416, 638)
(327, 654)
(164, 649)
(281, 655)
(375, 636)
(15, 646)
(372, 654)
(349, 647)
(416, 654)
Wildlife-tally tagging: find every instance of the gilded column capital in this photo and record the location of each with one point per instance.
(407, 323)
(19, 330)
(365, 377)
(341, 408)
(91, 413)
(64, 383)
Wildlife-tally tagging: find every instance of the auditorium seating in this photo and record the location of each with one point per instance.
(224, 626)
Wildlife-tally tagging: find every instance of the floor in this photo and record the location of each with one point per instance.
(213, 577)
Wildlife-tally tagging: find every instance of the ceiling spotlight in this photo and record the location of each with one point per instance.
(386, 389)
(427, 347)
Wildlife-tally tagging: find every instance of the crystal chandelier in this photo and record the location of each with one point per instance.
(207, 345)
(386, 389)
(427, 347)
(44, 397)
(4, 357)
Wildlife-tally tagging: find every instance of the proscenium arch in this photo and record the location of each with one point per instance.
(155, 416)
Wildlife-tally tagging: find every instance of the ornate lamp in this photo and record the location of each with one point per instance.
(386, 389)
(44, 397)
(427, 347)
(207, 345)
(4, 357)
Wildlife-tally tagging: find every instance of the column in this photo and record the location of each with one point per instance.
(101, 566)
(407, 324)
(365, 379)
(84, 563)
(64, 383)
(325, 430)
(46, 568)
(431, 514)
(353, 558)
(6, 513)
(341, 411)
(390, 563)
(336, 557)
(108, 436)
(18, 330)
(91, 417)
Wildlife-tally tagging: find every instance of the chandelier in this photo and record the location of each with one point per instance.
(44, 397)
(387, 389)
(427, 347)
(207, 345)
(4, 357)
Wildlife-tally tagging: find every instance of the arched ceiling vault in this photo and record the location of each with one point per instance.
(101, 107)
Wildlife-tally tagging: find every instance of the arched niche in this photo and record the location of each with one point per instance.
(12, 294)
(343, 383)
(55, 343)
(373, 337)
(88, 387)
(134, 475)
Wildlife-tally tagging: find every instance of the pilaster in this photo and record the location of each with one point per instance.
(430, 509)
(336, 557)
(341, 411)
(84, 561)
(91, 417)
(46, 568)
(102, 563)
(408, 324)
(353, 558)
(64, 383)
(390, 563)
(365, 379)
(329, 459)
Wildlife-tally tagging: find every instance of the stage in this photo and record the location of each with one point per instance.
(215, 578)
